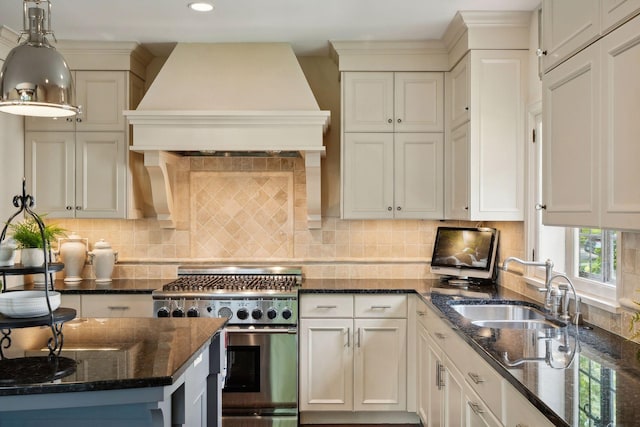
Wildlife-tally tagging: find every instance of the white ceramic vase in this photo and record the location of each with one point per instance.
(103, 260)
(32, 257)
(7, 253)
(73, 252)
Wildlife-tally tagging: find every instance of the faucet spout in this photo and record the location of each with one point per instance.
(548, 269)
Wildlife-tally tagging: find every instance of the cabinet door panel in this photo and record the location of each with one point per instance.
(615, 12)
(419, 176)
(457, 173)
(368, 105)
(419, 103)
(568, 26)
(368, 176)
(326, 364)
(117, 306)
(571, 106)
(100, 175)
(460, 97)
(620, 196)
(49, 169)
(102, 97)
(381, 365)
(430, 382)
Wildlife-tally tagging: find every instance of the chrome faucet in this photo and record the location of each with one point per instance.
(561, 306)
(548, 269)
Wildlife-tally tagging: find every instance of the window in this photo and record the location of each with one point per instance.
(587, 255)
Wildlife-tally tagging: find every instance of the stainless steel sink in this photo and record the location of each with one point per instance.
(506, 316)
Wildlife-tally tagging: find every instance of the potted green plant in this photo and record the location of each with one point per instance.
(28, 239)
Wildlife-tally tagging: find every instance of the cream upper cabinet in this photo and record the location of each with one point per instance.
(90, 179)
(101, 96)
(492, 148)
(357, 362)
(590, 135)
(620, 151)
(571, 108)
(567, 27)
(393, 102)
(76, 175)
(393, 175)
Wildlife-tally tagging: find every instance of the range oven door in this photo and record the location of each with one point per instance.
(261, 382)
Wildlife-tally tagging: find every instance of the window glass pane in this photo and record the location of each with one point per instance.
(597, 254)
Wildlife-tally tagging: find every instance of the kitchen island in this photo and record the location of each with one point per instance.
(118, 371)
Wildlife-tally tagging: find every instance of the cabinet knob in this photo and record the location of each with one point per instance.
(390, 121)
(540, 52)
(68, 208)
(69, 119)
(540, 206)
(78, 208)
(78, 119)
(466, 208)
(399, 120)
(389, 208)
(399, 208)
(466, 108)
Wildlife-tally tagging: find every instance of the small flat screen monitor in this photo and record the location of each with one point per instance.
(465, 252)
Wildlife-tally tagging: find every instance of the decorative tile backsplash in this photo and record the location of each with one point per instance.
(253, 210)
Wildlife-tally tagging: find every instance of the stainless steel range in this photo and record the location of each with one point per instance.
(262, 306)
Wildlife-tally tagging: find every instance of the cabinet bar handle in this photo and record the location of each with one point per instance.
(475, 407)
(475, 377)
(438, 382)
(358, 343)
(420, 313)
(326, 307)
(380, 307)
(440, 335)
(348, 337)
(118, 307)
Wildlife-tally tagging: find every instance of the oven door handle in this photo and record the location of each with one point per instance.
(239, 330)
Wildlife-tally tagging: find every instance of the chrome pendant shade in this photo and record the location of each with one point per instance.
(35, 79)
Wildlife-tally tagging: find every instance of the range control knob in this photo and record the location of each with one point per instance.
(272, 313)
(225, 312)
(256, 313)
(178, 312)
(286, 313)
(193, 312)
(163, 312)
(242, 314)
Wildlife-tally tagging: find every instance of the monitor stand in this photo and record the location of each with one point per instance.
(458, 282)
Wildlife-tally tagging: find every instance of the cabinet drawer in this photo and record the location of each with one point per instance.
(436, 327)
(117, 305)
(376, 306)
(520, 412)
(482, 378)
(326, 305)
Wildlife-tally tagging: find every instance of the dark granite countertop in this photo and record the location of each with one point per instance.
(116, 286)
(569, 375)
(105, 354)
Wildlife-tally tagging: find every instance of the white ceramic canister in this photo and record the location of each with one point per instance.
(73, 252)
(103, 260)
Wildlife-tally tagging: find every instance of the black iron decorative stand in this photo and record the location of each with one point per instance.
(55, 318)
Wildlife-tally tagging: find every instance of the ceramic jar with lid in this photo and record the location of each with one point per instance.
(103, 258)
(73, 253)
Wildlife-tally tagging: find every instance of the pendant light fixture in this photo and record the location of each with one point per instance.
(35, 79)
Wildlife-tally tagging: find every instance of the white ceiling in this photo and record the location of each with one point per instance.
(307, 24)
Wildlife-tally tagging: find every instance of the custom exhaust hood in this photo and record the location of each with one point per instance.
(228, 97)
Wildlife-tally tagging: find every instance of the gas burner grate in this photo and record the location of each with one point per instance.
(232, 283)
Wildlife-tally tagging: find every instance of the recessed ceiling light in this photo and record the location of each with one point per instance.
(201, 7)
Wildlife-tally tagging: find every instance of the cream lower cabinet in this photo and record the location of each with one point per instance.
(388, 175)
(353, 362)
(456, 387)
(109, 305)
